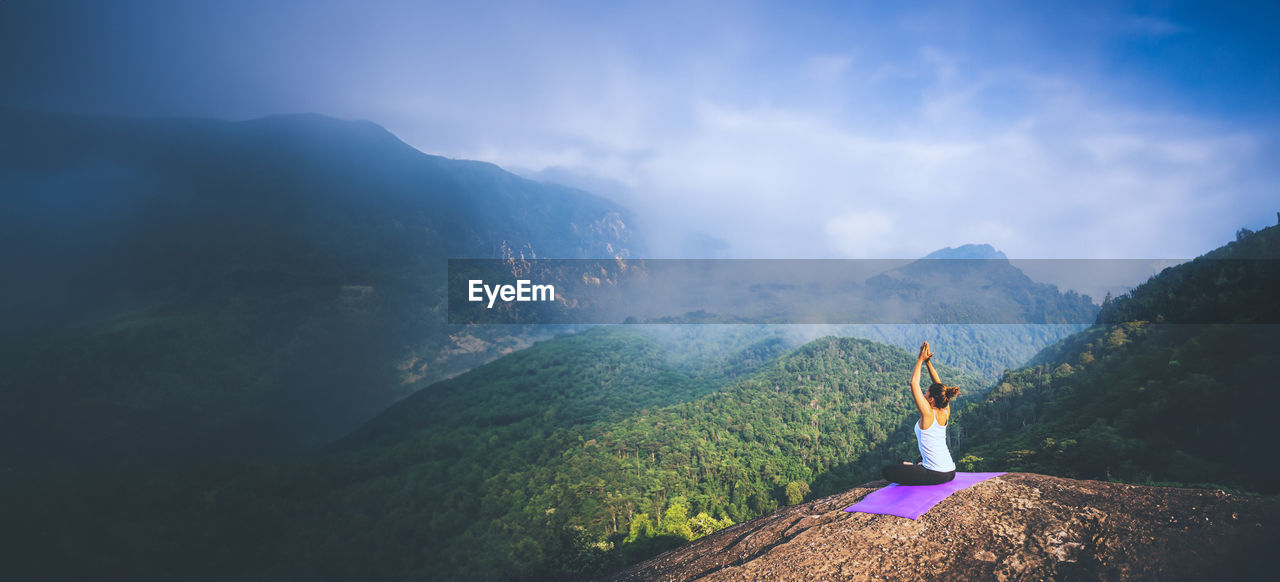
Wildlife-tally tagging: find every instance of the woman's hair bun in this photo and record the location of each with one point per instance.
(940, 394)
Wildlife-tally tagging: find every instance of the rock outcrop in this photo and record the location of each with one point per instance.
(1017, 526)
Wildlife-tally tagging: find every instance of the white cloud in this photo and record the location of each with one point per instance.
(1068, 178)
(770, 127)
(859, 151)
(861, 234)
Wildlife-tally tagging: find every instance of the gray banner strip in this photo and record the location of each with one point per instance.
(926, 291)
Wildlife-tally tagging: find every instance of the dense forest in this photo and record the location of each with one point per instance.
(987, 350)
(565, 460)
(1138, 398)
(248, 375)
(537, 482)
(593, 450)
(578, 455)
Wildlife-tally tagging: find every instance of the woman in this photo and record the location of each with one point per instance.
(931, 431)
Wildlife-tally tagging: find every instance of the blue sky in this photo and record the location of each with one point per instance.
(1071, 130)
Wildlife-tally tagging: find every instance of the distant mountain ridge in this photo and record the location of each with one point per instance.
(977, 284)
(192, 286)
(969, 251)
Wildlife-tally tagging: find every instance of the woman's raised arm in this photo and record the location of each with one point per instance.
(921, 403)
(928, 361)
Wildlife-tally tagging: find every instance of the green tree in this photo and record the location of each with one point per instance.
(703, 524)
(641, 527)
(675, 522)
(796, 490)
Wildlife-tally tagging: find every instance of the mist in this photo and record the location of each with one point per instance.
(737, 130)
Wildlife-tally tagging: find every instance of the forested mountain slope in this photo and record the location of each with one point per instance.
(186, 288)
(571, 458)
(1141, 399)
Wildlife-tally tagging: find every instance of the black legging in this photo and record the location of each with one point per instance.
(916, 475)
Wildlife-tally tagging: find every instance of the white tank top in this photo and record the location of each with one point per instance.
(933, 446)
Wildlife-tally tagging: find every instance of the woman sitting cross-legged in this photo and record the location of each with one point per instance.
(931, 431)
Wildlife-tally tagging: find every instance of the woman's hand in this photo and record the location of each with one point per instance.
(925, 354)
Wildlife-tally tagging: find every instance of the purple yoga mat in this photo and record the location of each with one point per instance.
(912, 501)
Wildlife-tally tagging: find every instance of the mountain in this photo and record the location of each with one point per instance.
(957, 285)
(984, 314)
(1172, 386)
(188, 288)
(549, 462)
(572, 458)
(204, 292)
(1008, 317)
(1018, 526)
(970, 251)
(1133, 398)
(967, 291)
(593, 451)
(1233, 284)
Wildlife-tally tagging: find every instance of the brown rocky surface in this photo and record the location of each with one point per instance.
(1018, 526)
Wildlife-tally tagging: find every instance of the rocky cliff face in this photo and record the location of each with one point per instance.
(1018, 526)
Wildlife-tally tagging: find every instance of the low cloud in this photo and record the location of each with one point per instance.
(839, 131)
(1060, 172)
